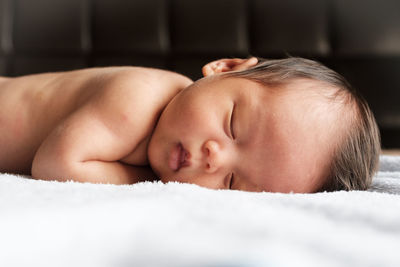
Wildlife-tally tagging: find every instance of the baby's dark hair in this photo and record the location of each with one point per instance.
(355, 156)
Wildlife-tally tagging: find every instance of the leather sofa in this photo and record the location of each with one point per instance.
(358, 38)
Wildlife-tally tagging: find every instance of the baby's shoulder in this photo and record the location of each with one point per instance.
(136, 93)
(137, 79)
(139, 86)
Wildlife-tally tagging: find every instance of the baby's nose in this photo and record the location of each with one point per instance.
(213, 156)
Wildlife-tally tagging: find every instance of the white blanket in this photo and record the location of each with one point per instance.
(154, 224)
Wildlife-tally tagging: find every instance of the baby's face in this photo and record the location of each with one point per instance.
(233, 133)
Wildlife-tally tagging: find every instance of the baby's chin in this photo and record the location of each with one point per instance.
(166, 179)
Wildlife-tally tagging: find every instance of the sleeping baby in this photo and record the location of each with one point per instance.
(283, 125)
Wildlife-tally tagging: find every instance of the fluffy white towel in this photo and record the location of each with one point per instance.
(389, 163)
(154, 224)
(387, 180)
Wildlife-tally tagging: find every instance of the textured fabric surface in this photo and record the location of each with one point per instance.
(153, 224)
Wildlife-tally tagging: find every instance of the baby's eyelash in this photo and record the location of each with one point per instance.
(231, 181)
(231, 123)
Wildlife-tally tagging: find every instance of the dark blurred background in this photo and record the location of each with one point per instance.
(358, 38)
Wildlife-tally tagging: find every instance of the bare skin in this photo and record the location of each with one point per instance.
(124, 125)
(93, 125)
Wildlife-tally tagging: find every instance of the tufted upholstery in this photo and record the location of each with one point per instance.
(358, 38)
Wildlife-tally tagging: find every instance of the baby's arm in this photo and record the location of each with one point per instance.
(88, 145)
(84, 148)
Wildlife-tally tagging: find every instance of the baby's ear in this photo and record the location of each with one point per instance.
(228, 64)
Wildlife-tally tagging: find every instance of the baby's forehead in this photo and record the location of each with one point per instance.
(314, 97)
(300, 106)
(309, 90)
(298, 129)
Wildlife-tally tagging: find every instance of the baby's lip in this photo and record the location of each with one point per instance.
(178, 157)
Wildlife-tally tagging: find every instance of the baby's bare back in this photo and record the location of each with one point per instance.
(31, 107)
